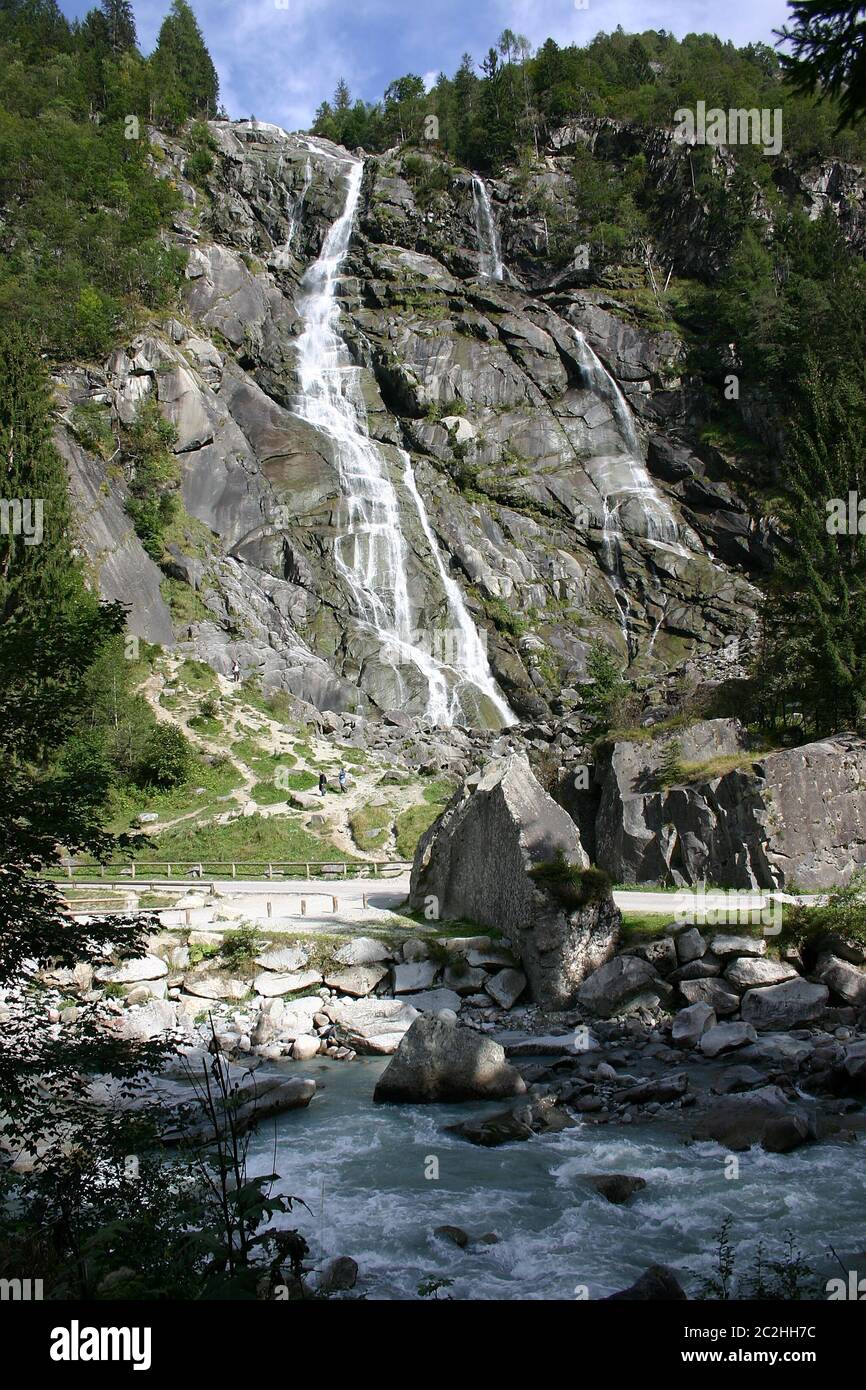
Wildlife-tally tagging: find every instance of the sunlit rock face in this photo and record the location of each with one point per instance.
(415, 483)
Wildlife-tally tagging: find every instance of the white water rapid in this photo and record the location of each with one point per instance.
(370, 553)
(489, 251)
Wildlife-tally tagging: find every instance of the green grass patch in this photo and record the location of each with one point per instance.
(371, 826)
(207, 726)
(198, 676)
(217, 779)
(248, 838)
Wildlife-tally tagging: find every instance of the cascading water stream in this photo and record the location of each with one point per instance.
(489, 251)
(370, 554)
(622, 480)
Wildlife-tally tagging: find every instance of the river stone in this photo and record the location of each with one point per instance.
(492, 958)
(661, 954)
(700, 969)
(305, 1047)
(362, 950)
(371, 1026)
(691, 1023)
(787, 1005)
(476, 861)
(414, 950)
(413, 976)
(130, 972)
(339, 1275)
(617, 1188)
(738, 946)
(778, 1049)
(433, 1001)
(725, 1037)
(284, 959)
(269, 984)
(150, 1020)
(657, 1282)
(215, 985)
(358, 980)
(711, 992)
(464, 979)
(843, 979)
(441, 1061)
(747, 972)
(618, 983)
(739, 1121)
(506, 987)
(690, 945)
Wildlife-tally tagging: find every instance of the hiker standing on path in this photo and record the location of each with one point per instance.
(323, 782)
(236, 671)
(342, 779)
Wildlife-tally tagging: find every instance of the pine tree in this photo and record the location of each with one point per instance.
(342, 99)
(812, 664)
(35, 519)
(181, 49)
(121, 25)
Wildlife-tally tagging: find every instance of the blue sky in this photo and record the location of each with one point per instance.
(277, 59)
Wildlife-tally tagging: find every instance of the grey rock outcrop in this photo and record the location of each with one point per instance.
(795, 814)
(476, 860)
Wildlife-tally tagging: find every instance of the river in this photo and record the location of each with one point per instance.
(361, 1168)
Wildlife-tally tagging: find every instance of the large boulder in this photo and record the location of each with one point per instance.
(476, 862)
(764, 1116)
(623, 982)
(787, 1005)
(371, 1026)
(438, 1060)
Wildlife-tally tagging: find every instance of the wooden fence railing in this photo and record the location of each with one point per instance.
(155, 870)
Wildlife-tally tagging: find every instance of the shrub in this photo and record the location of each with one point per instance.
(569, 884)
(168, 759)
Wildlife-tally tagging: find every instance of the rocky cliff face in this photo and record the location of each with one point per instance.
(792, 818)
(529, 441)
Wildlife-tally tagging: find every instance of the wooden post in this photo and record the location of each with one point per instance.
(270, 908)
(168, 870)
(270, 871)
(132, 867)
(334, 902)
(187, 917)
(303, 907)
(234, 871)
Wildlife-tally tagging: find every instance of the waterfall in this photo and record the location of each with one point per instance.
(622, 481)
(282, 255)
(489, 251)
(370, 553)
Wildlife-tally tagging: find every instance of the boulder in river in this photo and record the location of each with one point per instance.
(438, 1060)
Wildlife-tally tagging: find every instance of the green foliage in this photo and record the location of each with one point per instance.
(167, 760)
(603, 695)
(784, 1279)
(828, 53)
(810, 672)
(240, 948)
(843, 916)
(571, 886)
(184, 66)
(83, 212)
(153, 475)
